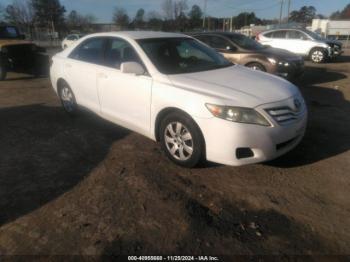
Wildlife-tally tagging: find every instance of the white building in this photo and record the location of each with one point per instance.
(334, 28)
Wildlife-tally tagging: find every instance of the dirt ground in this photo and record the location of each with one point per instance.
(85, 186)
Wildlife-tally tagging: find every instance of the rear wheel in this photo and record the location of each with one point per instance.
(318, 55)
(68, 99)
(181, 140)
(2, 73)
(256, 66)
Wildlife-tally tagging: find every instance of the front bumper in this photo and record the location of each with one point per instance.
(223, 139)
(295, 69)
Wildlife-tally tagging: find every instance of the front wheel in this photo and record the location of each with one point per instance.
(2, 73)
(181, 140)
(318, 55)
(68, 99)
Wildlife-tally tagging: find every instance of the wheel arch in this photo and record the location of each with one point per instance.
(168, 110)
(60, 83)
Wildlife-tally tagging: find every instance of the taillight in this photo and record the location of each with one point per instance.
(257, 37)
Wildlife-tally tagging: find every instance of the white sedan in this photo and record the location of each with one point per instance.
(178, 91)
(70, 39)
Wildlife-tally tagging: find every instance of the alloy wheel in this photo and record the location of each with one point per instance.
(317, 56)
(178, 141)
(67, 98)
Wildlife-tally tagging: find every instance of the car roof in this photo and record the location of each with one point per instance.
(139, 34)
(284, 29)
(217, 33)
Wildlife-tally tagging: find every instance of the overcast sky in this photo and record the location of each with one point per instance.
(103, 9)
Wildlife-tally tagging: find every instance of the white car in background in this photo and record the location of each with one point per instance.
(302, 42)
(178, 91)
(70, 39)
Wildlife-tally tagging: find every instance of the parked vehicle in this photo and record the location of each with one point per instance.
(245, 51)
(70, 39)
(176, 90)
(18, 55)
(302, 42)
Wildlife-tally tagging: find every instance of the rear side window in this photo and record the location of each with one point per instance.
(72, 37)
(279, 34)
(269, 35)
(90, 51)
(119, 51)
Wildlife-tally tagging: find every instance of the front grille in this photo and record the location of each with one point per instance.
(284, 115)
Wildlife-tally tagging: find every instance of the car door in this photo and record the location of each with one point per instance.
(80, 71)
(279, 40)
(124, 98)
(225, 47)
(298, 42)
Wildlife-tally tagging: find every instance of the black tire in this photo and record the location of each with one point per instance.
(256, 66)
(68, 100)
(2, 73)
(318, 55)
(196, 142)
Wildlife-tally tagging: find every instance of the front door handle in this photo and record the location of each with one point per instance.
(68, 65)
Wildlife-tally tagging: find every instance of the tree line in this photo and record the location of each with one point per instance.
(173, 15)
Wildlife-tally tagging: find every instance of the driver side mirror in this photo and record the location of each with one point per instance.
(132, 68)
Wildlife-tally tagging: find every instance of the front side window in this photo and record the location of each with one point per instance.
(182, 55)
(90, 51)
(118, 52)
(219, 42)
(245, 42)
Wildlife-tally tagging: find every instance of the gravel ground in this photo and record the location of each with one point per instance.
(85, 186)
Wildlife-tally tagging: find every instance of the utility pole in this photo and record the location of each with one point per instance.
(204, 13)
(281, 11)
(288, 10)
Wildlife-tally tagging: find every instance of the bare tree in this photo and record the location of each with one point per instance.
(20, 12)
(2, 12)
(76, 21)
(168, 9)
(179, 8)
(121, 18)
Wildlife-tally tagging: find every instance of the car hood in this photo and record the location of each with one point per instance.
(237, 85)
(278, 53)
(333, 42)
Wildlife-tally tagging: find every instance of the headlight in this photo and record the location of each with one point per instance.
(238, 114)
(274, 62)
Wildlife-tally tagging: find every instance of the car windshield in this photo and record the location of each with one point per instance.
(245, 42)
(314, 35)
(182, 55)
(8, 32)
